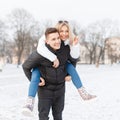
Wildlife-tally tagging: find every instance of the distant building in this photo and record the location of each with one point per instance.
(112, 50)
(84, 53)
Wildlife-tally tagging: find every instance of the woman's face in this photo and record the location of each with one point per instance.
(64, 33)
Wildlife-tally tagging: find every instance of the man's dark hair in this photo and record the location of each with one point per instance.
(50, 30)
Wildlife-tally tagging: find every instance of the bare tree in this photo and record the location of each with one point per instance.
(96, 33)
(93, 37)
(23, 26)
(3, 38)
(107, 29)
(76, 27)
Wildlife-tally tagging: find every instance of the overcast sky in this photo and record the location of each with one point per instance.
(84, 11)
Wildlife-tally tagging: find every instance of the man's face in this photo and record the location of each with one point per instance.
(54, 41)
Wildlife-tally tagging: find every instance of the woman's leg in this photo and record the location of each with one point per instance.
(77, 82)
(75, 77)
(35, 79)
(33, 87)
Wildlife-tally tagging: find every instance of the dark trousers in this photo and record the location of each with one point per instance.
(56, 104)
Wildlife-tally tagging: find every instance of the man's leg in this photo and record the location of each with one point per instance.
(57, 107)
(44, 108)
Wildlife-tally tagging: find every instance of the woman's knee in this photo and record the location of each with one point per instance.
(35, 74)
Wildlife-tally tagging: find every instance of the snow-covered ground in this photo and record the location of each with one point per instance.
(103, 81)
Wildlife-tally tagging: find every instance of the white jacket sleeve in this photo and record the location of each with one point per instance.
(75, 51)
(44, 51)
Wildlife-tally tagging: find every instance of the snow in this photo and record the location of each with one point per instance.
(103, 82)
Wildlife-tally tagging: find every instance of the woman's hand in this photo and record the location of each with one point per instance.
(75, 40)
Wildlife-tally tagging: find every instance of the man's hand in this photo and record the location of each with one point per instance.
(68, 78)
(42, 82)
(56, 63)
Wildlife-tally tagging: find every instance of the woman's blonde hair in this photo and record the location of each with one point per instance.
(59, 25)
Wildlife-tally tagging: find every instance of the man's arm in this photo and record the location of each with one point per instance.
(33, 61)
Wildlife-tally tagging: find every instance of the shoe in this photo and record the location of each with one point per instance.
(85, 95)
(28, 108)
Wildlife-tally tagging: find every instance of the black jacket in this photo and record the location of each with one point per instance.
(53, 76)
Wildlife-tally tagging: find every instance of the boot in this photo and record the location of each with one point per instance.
(28, 108)
(85, 95)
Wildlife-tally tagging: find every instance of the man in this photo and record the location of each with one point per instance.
(51, 95)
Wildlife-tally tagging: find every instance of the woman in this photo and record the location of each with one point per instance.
(69, 39)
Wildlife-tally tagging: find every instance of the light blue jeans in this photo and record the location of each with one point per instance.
(35, 79)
